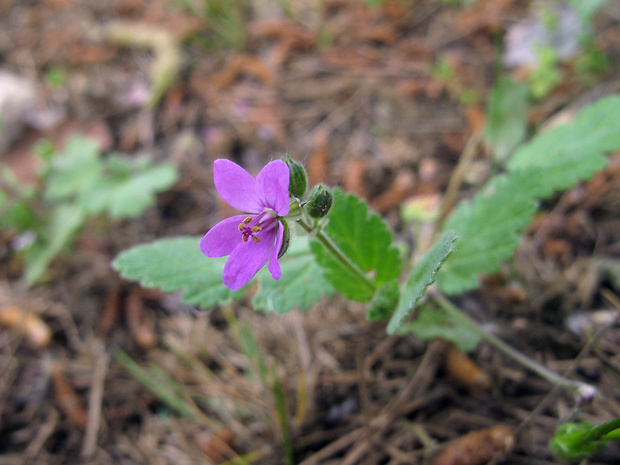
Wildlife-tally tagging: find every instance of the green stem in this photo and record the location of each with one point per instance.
(601, 432)
(585, 390)
(335, 251)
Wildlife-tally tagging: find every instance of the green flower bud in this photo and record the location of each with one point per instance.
(319, 201)
(298, 180)
(286, 239)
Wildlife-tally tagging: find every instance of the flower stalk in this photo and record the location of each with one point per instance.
(584, 390)
(335, 251)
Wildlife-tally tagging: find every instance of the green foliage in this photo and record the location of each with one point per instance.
(225, 21)
(383, 302)
(74, 185)
(432, 323)
(63, 222)
(420, 277)
(571, 152)
(574, 441)
(74, 170)
(507, 112)
(302, 282)
(488, 227)
(123, 179)
(547, 74)
(365, 239)
(177, 264)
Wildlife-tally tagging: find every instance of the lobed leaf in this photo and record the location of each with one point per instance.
(74, 170)
(433, 323)
(507, 118)
(301, 284)
(488, 226)
(420, 277)
(177, 264)
(574, 151)
(129, 188)
(365, 239)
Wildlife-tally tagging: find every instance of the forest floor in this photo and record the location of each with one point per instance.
(378, 99)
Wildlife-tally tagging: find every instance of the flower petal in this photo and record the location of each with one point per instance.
(272, 186)
(274, 264)
(222, 238)
(247, 259)
(236, 186)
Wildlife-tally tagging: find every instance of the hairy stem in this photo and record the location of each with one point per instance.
(335, 251)
(584, 390)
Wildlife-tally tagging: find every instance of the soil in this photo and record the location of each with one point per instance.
(378, 99)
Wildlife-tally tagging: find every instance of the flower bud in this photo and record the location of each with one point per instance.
(286, 239)
(319, 201)
(298, 180)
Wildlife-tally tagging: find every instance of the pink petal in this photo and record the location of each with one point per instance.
(274, 264)
(222, 238)
(247, 259)
(236, 186)
(272, 186)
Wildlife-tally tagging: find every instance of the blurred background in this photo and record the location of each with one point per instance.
(111, 115)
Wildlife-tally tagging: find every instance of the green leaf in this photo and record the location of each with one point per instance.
(507, 112)
(74, 170)
(383, 302)
(128, 188)
(488, 227)
(64, 222)
(301, 284)
(365, 239)
(177, 264)
(571, 152)
(433, 323)
(422, 276)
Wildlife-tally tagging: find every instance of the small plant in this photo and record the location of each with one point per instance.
(577, 441)
(338, 246)
(75, 185)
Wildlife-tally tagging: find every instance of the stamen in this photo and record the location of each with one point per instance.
(244, 238)
(247, 220)
(255, 239)
(241, 226)
(256, 229)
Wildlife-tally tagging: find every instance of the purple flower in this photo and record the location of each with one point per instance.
(255, 238)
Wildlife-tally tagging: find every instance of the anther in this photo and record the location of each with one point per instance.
(247, 220)
(256, 229)
(244, 238)
(255, 239)
(241, 226)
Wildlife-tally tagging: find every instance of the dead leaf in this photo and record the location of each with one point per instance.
(29, 325)
(477, 447)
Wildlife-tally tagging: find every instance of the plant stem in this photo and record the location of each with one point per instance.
(584, 389)
(601, 431)
(335, 251)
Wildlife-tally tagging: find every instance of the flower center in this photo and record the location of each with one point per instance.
(251, 226)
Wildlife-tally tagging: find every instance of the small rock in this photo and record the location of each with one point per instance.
(17, 98)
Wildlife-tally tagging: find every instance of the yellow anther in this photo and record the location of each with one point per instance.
(241, 226)
(256, 229)
(256, 238)
(247, 220)
(244, 238)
